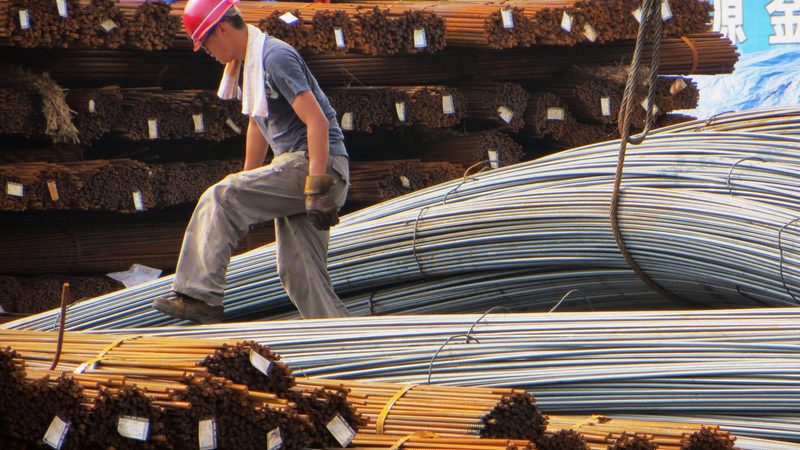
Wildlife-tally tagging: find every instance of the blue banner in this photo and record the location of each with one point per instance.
(756, 25)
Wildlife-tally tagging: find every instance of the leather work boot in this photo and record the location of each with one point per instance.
(186, 308)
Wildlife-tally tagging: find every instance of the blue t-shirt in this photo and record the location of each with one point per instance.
(286, 76)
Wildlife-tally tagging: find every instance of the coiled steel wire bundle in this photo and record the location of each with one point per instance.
(779, 120)
(704, 217)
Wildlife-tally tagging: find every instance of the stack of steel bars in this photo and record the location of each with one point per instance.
(736, 367)
(701, 213)
(170, 383)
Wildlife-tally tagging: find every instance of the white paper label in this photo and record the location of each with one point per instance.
(555, 113)
(566, 22)
(274, 439)
(405, 181)
(677, 86)
(400, 108)
(233, 126)
(62, 8)
(605, 106)
(15, 189)
(199, 126)
(108, 25)
(92, 106)
(508, 18)
(56, 433)
(24, 19)
(494, 158)
(347, 121)
(152, 128)
(666, 11)
(207, 434)
(506, 114)
(637, 14)
(138, 203)
(420, 41)
(645, 105)
(589, 32)
(289, 18)
(137, 274)
(131, 427)
(338, 34)
(259, 362)
(341, 430)
(53, 188)
(448, 107)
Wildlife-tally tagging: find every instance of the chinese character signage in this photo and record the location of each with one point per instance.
(756, 25)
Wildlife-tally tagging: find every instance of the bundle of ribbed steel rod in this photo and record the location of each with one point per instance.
(151, 411)
(149, 25)
(363, 109)
(102, 24)
(154, 113)
(601, 432)
(96, 110)
(426, 441)
(376, 181)
(41, 23)
(495, 147)
(91, 68)
(185, 182)
(433, 106)
(113, 185)
(36, 294)
(160, 367)
(499, 104)
(19, 112)
(547, 116)
(734, 367)
(43, 185)
(397, 409)
(102, 246)
(590, 99)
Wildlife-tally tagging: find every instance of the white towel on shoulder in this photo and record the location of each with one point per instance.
(253, 95)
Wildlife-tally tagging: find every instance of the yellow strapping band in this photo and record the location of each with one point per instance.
(389, 404)
(419, 434)
(90, 363)
(590, 419)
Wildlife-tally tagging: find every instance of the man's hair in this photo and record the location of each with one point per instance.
(233, 18)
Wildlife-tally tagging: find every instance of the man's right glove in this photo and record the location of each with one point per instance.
(320, 205)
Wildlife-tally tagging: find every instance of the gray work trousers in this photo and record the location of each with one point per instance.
(224, 214)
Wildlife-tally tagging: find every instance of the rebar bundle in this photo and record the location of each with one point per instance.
(733, 367)
(156, 114)
(376, 181)
(547, 116)
(159, 380)
(33, 295)
(707, 53)
(93, 23)
(499, 104)
(364, 109)
(494, 147)
(162, 383)
(97, 110)
(102, 24)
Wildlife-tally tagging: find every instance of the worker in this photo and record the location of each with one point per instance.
(301, 189)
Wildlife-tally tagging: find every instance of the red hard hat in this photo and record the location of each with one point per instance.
(199, 16)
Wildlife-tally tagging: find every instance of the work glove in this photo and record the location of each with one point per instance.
(320, 205)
